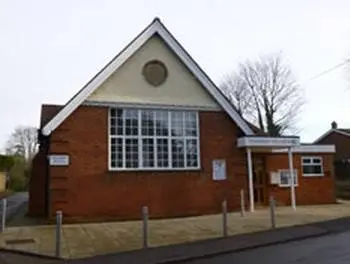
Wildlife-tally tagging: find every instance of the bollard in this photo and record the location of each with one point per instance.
(58, 233)
(3, 215)
(272, 212)
(224, 218)
(242, 203)
(145, 226)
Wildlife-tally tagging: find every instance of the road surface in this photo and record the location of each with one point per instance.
(14, 202)
(331, 249)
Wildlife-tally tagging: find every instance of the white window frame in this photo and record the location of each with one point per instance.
(280, 184)
(312, 164)
(140, 137)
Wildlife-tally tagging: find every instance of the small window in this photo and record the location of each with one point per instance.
(285, 179)
(312, 166)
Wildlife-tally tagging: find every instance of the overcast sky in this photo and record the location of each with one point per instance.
(50, 49)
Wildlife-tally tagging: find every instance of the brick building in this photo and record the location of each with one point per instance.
(152, 129)
(340, 138)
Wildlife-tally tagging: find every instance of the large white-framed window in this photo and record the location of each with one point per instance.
(147, 139)
(312, 166)
(285, 178)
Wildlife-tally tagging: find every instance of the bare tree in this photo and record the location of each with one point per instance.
(23, 142)
(236, 91)
(271, 97)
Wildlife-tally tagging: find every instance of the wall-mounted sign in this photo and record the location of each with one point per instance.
(219, 170)
(58, 160)
(274, 177)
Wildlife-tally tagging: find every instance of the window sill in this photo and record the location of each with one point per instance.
(154, 169)
(313, 175)
(287, 186)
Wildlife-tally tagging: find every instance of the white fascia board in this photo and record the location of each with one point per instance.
(155, 27)
(272, 142)
(308, 149)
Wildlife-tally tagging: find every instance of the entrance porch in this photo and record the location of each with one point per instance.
(275, 167)
(257, 149)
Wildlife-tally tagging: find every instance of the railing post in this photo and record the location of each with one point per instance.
(3, 214)
(58, 233)
(224, 218)
(242, 203)
(145, 226)
(272, 212)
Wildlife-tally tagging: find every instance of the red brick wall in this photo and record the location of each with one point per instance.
(87, 189)
(310, 190)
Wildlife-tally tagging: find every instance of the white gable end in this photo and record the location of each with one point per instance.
(105, 80)
(128, 85)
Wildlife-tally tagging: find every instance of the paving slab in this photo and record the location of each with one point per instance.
(83, 240)
(196, 250)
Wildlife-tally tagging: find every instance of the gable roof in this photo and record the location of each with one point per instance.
(156, 27)
(341, 131)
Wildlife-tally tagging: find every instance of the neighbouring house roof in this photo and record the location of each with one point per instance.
(156, 27)
(341, 131)
(48, 111)
(345, 130)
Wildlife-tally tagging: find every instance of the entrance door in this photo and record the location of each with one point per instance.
(259, 180)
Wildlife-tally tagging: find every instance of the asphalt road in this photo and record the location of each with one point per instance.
(331, 249)
(14, 202)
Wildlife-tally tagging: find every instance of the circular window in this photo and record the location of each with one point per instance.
(155, 72)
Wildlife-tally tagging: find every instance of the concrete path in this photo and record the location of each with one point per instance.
(231, 249)
(14, 202)
(85, 240)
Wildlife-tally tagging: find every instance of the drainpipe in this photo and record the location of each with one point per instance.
(291, 173)
(250, 179)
